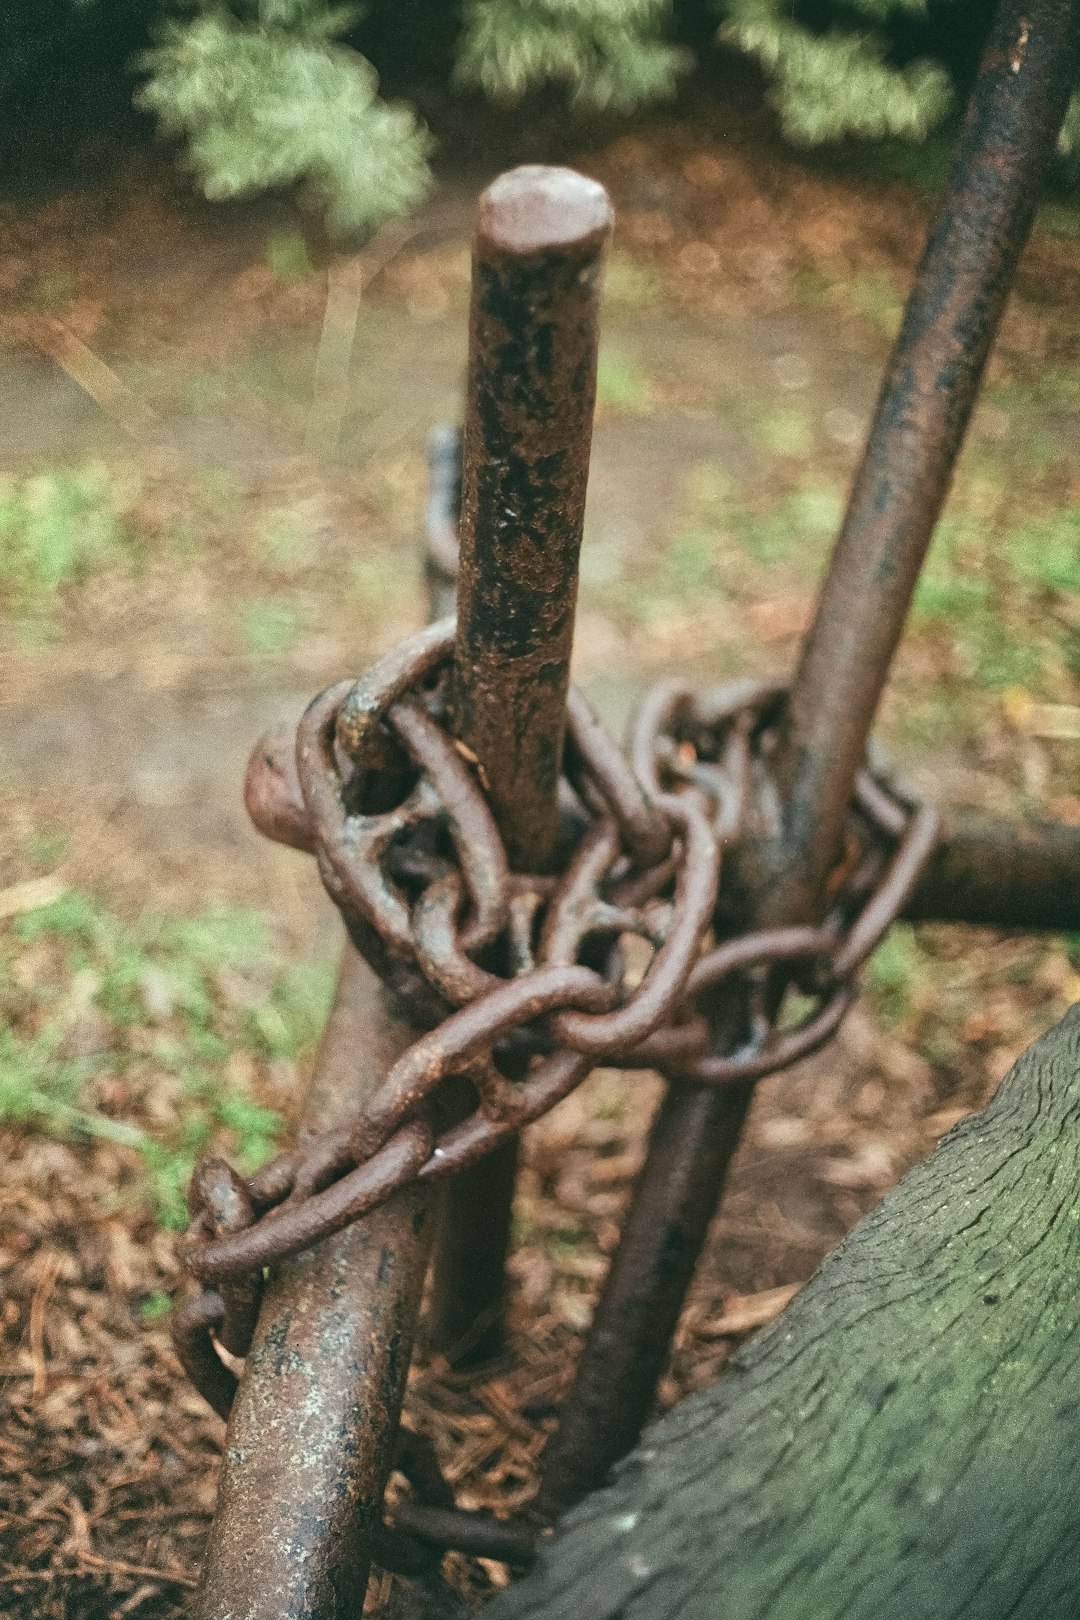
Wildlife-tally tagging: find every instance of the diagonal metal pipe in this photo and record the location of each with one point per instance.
(922, 414)
(926, 398)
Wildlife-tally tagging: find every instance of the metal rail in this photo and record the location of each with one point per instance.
(312, 1427)
(952, 314)
(1005, 874)
(533, 335)
(926, 398)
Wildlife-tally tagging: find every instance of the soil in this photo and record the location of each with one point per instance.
(126, 728)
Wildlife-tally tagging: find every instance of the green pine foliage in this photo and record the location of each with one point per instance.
(265, 93)
(607, 53)
(270, 94)
(838, 83)
(269, 98)
(1069, 139)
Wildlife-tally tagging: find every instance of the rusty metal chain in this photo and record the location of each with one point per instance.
(523, 981)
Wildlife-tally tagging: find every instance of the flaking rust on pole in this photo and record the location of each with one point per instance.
(533, 334)
(540, 234)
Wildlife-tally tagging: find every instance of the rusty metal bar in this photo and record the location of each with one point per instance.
(477, 1533)
(533, 332)
(927, 394)
(1006, 874)
(312, 1427)
(1013, 117)
(690, 1150)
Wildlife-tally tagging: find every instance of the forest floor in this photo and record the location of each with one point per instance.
(192, 541)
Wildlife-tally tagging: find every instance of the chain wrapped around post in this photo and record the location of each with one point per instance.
(522, 982)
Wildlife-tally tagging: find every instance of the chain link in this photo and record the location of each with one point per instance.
(522, 982)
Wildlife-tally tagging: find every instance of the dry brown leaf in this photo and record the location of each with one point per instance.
(744, 1312)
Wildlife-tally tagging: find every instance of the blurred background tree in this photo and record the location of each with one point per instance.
(268, 93)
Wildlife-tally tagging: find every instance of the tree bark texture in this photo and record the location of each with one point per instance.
(904, 1442)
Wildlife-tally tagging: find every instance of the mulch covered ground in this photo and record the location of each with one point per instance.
(109, 1459)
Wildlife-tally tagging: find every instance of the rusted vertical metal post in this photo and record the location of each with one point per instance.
(312, 1427)
(1013, 118)
(539, 240)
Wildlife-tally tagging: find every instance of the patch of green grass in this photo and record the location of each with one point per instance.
(384, 581)
(816, 511)
(1045, 553)
(709, 487)
(1047, 389)
(894, 975)
(220, 937)
(690, 561)
(283, 379)
(802, 524)
(269, 626)
(932, 717)
(944, 592)
(219, 489)
(185, 1011)
(784, 430)
(724, 532)
(287, 256)
(872, 294)
(46, 850)
(39, 1086)
(628, 285)
(291, 1017)
(795, 1010)
(876, 298)
(622, 384)
(985, 584)
(56, 529)
(73, 916)
(1059, 219)
(991, 466)
(50, 292)
(285, 540)
(811, 287)
(155, 1306)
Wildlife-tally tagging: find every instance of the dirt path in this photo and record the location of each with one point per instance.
(157, 716)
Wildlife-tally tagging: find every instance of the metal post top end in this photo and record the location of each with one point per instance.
(538, 208)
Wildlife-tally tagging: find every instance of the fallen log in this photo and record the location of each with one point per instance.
(904, 1442)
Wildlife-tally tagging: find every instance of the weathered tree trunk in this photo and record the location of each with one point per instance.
(904, 1443)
